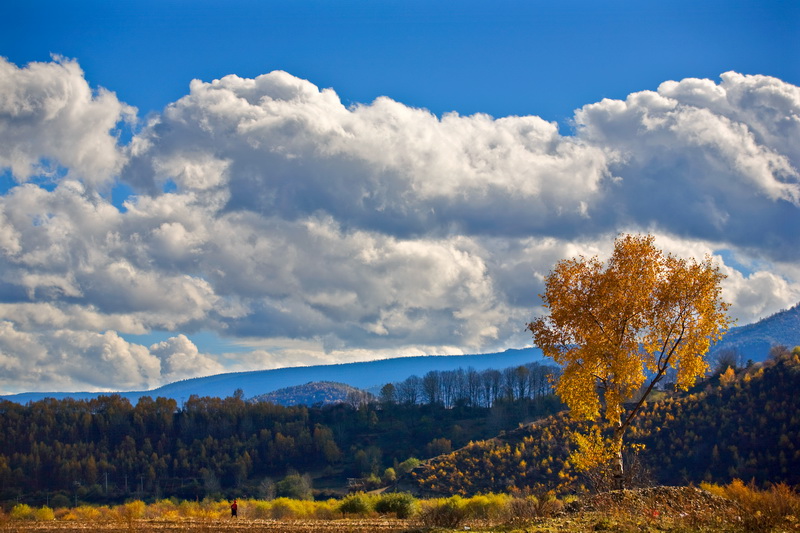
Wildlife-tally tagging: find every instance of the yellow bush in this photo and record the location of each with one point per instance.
(162, 510)
(327, 510)
(487, 506)
(131, 510)
(189, 509)
(258, 510)
(287, 509)
(44, 514)
(96, 514)
(763, 509)
(22, 511)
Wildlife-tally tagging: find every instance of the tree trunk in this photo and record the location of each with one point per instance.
(617, 466)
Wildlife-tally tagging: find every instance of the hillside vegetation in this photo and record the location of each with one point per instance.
(317, 393)
(742, 425)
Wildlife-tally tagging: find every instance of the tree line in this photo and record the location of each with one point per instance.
(107, 449)
(471, 387)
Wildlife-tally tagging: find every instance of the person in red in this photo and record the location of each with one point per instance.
(234, 509)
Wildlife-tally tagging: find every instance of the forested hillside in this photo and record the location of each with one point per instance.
(753, 341)
(107, 449)
(317, 393)
(742, 425)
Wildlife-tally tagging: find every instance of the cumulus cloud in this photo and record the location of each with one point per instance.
(279, 146)
(180, 359)
(73, 360)
(705, 161)
(269, 212)
(50, 117)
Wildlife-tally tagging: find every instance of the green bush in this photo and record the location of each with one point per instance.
(408, 465)
(402, 504)
(295, 487)
(355, 504)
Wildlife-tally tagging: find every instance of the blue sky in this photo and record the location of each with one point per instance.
(401, 189)
(502, 58)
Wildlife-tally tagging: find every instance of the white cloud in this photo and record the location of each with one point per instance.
(48, 112)
(180, 359)
(706, 161)
(73, 360)
(266, 210)
(64, 359)
(283, 147)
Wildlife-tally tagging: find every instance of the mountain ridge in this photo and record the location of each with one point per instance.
(751, 341)
(361, 375)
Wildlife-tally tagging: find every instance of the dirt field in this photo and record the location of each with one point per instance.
(212, 526)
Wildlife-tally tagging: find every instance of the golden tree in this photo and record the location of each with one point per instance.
(617, 328)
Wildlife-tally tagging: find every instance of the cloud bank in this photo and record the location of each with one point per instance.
(267, 211)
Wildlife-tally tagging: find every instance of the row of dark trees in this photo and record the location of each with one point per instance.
(471, 387)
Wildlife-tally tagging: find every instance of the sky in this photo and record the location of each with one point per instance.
(194, 187)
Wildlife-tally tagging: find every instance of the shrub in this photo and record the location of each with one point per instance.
(389, 475)
(22, 511)
(522, 510)
(131, 510)
(401, 504)
(44, 514)
(526, 509)
(487, 506)
(294, 486)
(259, 509)
(189, 509)
(96, 514)
(60, 500)
(763, 510)
(62, 513)
(166, 509)
(449, 513)
(288, 509)
(355, 504)
(327, 510)
(408, 465)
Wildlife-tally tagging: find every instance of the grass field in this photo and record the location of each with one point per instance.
(735, 508)
(209, 526)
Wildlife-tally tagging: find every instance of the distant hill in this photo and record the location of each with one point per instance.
(365, 375)
(312, 394)
(753, 341)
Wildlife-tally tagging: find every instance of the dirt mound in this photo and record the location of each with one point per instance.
(656, 501)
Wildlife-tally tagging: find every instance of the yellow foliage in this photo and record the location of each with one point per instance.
(132, 510)
(593, 450)
(22, 511)
(44, 514)
(727, 377)
(617, 327)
